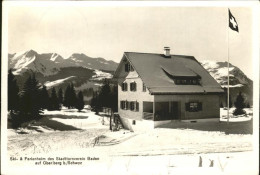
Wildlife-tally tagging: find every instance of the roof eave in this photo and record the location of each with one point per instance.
(186, 93)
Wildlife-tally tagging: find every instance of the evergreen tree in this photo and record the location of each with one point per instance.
(72, 96)
(66, 101)
(95, 102)
(13, 91)
(114, 98)
(60, 96)
(80, 101)
(105, 94)
(54, 102)
(30, 103)
(239, 104)
(89, 92)
(44, 98)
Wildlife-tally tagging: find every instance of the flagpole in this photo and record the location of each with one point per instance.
(228, 79)
(233, 26)
(228, 83)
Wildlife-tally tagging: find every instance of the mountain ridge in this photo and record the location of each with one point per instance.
(50, 63)
(238, 81)
(89, 72)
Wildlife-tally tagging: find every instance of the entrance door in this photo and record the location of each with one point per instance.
(174, 110)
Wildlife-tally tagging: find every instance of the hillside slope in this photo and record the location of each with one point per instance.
(239, 82)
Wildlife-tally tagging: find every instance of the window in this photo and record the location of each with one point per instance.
(194, 106)
(134, 106)
(187, 81)
(124, 86)
(144, 88)
(133, 122)
(133, 86)
(194, 82)
(124, 105)
(128, 67)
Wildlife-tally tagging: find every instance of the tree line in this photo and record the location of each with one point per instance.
(107, 97)
(28, 103)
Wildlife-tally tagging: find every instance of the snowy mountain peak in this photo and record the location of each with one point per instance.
(219, 71)
(54, 57)
(51, 63)
(31, 60)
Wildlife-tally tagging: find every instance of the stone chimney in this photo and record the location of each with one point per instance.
(167, 52)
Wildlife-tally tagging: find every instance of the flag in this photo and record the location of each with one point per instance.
(232, 22)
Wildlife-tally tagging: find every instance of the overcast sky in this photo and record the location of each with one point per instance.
(109, 31)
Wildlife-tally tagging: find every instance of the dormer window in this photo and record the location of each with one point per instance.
(124, 86)
(133, 86)
(194, 81)
(186, 81)
(128, 67)
(191, 79)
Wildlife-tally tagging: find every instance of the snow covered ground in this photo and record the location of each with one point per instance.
(100, 75)
(50, 84)
(232, 118)
(166, 150)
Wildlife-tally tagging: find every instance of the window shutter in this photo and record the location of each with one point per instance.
(134, 86)
(126, 105)
(131, 86)
(136, 106)
(187, 106)
(125, 86)
(122, 86)
(200, 106)
(130, 105)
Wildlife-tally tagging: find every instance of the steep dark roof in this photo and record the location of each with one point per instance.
(155, 68)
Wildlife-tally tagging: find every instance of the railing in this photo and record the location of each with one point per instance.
(147, 116)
